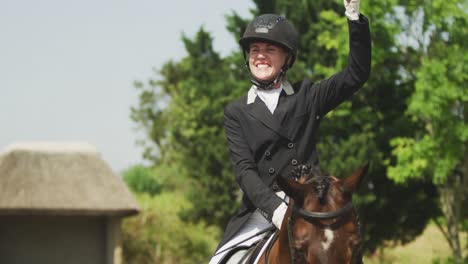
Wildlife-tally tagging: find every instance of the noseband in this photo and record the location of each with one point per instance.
(311, 216)
(321, 184)
(321, 187)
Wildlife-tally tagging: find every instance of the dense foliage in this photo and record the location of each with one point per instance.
(142, 180)
(437, 151)
(157, 234)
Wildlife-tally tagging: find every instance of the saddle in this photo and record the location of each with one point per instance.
(249, 255)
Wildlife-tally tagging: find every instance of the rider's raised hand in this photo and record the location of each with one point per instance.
(352, 9)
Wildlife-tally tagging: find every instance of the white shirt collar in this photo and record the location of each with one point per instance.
(252, 94)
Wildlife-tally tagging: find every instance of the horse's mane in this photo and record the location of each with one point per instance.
(308, 171)
(313, 174)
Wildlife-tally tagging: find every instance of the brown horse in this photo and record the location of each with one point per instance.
(321, 224)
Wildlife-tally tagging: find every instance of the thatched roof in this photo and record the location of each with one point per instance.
(60, 179)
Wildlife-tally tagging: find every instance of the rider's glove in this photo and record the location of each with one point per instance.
(352, 9)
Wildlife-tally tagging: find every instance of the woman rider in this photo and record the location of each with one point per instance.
(274, 126)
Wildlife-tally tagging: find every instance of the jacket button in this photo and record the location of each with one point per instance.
(275, 187)
(290, 145)
(271, 170)
(267, 153)
(294, 162)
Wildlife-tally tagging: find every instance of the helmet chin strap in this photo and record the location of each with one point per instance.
(268, 85)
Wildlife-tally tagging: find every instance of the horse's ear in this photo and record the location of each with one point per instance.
(290, 187)
(351, 183)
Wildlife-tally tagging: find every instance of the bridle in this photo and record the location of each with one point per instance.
(313, 217)
(321, 183)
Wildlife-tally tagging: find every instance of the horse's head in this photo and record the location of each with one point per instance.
(324, 226)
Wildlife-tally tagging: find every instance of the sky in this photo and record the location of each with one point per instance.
(67, 67)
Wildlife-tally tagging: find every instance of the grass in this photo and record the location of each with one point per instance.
(427, 247)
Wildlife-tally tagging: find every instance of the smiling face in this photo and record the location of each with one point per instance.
(266, 60)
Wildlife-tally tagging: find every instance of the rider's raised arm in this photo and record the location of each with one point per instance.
(330, 92)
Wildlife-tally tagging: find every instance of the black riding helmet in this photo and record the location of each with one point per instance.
(273, 29)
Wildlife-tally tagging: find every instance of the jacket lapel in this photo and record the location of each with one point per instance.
(260, 111)
(284, 108)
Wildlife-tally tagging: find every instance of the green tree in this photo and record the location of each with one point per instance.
(437, 150)
(140, 179)
(157, 234)
(183, 115)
